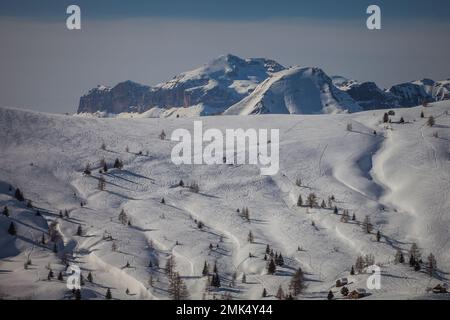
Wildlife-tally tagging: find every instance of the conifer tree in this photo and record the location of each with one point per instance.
(352, 271)
(431, 122)
(280, 293)
(205, 271)
(89, 277)
(77, 294)
(177, 288)
(378, 236)
(312, 200)
(12, 229)
(250, 237)
(87, 170)
(19, 195)
(330, 295)
(264, 293)
(108, 295)
(367, 225)
(60, 276)
(431, 265)
(79, 231)
(271, 267)
(267, 249)
(5, 211)
(297, 282)
(299, 201)
(399, 258)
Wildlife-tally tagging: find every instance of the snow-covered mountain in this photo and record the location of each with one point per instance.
(207, 90)
(395, 181)
(295, 91)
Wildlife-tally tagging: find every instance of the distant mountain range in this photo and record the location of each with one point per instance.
(232, 85)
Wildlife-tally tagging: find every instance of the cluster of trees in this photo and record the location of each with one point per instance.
(245, 213)
(362, 262)
(177, 288)
(415, 259)
(296, 286)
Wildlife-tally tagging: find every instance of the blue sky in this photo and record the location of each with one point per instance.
(46, 67)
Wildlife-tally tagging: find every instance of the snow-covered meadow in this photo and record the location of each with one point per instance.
(399, 177)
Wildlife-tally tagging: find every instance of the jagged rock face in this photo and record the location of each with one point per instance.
(410, 94)
(369, 96)
(127, 96)
(215, 86)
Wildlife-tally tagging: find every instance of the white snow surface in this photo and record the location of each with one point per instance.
(295, 91)
(399, 177)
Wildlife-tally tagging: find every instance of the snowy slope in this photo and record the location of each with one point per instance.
(295, 91)
(399, 177)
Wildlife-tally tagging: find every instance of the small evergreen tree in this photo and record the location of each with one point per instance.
(352, 271)
(79, 231)
(323, 205)
(60, 276)
(77, 294)
(299, 201)
(123, 218)
(250, 237)
(271, 267)
(432, 265)
(336, 210)
(378, 236)
(280, 293)
(19, 195)
(312, 200)
(264, 293)
(344, 291)
(12, 229)
(108, 295)
(87, 170)
(431, 122)
(163, 201)
(399, 258)
(118, 164)
(5, 211)
(267, 249)
(89, 277)
(244, 278)
(367, 225)
(205, 271)
(101, 184)
(330, 295)
(385, 118)
(422, 115)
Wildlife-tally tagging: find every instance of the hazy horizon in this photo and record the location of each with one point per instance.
(47, 67)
